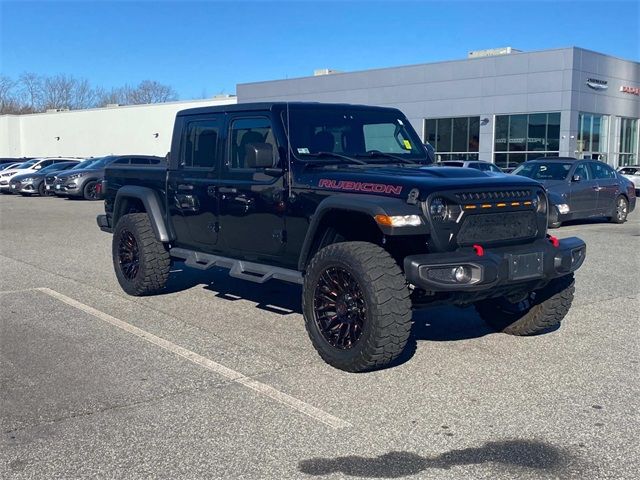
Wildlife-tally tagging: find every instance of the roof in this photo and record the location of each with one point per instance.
(269, 106)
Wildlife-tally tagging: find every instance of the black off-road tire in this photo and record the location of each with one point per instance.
(620, 210)
(88, 192)
(154, 261)
(387, 319)
(544, 309)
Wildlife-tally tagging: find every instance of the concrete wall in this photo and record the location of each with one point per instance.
(95, 132)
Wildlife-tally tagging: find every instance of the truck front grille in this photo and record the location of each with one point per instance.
(497, 195)
(497, 227)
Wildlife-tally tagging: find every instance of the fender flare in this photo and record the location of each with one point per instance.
(370, 205)
(152, 204)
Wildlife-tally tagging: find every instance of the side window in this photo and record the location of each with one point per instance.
(121, 161)
(245, 132)
(200, 144)
(139, 161)
(583, 172)
(481, 166)
(602, 171)
(493, 168)
(46, 163)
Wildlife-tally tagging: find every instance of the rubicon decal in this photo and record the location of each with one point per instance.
(360, 186)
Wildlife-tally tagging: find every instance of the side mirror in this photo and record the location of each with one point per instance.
(575, 178)
(37, 167)
(258, 155)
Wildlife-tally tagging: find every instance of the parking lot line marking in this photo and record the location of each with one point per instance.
(256, 386)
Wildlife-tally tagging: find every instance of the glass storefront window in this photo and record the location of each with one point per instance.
(593, 132)
(454, 138)
(525, 136)
(628, 142)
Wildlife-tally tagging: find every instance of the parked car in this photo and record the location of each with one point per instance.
(313, 205)
(50, 178)
(30, 166)
(8, 165)
(632, 173)
(83, 182)
(477, 164)
(33, 183)
(579, 189)
(5, 160)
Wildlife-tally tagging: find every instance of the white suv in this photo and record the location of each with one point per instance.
(631, 172)
(27, 167)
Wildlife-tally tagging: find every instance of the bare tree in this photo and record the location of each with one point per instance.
(31, 91)
(150, 91)
(8, 101)
(36, 93)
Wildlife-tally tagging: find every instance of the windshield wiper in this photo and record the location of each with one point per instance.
(378, 153)
(336, 155)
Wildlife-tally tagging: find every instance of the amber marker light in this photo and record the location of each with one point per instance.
(501, 205)
(469, 207)
(486, 205)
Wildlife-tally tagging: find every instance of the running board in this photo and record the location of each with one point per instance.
(254, 272)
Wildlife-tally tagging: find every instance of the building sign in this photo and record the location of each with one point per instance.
(631, 90)
(596, 84)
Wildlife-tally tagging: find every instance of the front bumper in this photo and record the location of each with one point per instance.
(539, 261)
(69, 189)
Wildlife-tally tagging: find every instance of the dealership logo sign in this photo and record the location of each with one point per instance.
(631, 90)
(596, 84)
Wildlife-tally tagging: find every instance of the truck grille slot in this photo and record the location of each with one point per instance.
(497, 195)
(497, 227)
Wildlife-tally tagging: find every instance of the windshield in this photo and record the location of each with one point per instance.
(362, 133)
(99, 162)
(7, 166)
(84, 164)
(54, 167)
(544, 170)
(630, 171)
(28, 164)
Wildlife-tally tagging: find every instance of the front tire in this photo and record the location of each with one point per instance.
(620, 211)
(89, 191)
(42, 190)
(542, 310)
(356, 306)
(554, 218)
(141, 262)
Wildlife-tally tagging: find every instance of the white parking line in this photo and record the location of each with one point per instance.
(259, 387)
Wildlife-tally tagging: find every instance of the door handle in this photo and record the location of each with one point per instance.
(184, 186)
(227, 190)
(597, 189)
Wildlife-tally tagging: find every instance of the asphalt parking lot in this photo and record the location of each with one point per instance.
(217, 378)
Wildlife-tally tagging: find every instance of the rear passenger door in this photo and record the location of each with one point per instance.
(250, 199)
(608, 186)
(192, 200)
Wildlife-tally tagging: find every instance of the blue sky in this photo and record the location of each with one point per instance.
(208, 47)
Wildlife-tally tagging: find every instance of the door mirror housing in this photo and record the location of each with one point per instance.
(575, 178)
(259, 155)
(37, 167)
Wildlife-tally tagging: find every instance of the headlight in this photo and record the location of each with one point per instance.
(541, 203)
(438, 209)
(27, 180)
(76, 175)
(399, 220)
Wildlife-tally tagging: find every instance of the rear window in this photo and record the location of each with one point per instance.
(453, 164)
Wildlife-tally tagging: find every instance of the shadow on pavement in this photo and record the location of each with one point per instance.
(529, 454)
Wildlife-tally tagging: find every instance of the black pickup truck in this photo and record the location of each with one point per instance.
(340, 199)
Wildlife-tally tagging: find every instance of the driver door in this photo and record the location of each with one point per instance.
(584, 192)
(250, 199)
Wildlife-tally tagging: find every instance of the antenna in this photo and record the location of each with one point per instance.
(289, 175)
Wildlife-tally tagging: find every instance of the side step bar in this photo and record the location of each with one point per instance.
(254, 272)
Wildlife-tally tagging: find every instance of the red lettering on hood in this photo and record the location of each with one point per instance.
(348, 185)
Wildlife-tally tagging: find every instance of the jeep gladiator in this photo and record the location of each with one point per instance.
(340, 199)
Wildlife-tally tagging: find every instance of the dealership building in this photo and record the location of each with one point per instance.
(499, 105)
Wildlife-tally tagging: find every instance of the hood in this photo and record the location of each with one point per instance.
(400, 180)
(83, 171)
(22, 176)
(553, 184)
(7, 173)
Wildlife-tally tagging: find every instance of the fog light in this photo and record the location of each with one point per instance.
(462, 274)
(577, 256)
(563, 208)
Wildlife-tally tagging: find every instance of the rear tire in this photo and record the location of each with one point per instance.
(356, 306)
(141, 262)
(543, 310)
(620, 210)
